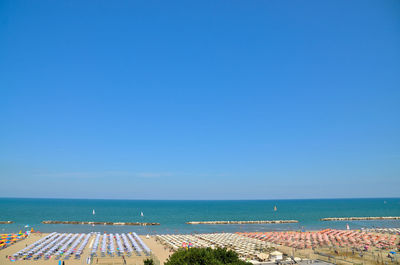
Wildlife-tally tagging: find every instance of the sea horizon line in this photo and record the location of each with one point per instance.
(190, 200)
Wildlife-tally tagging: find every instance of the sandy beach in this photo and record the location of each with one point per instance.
(159, 250)
(246, 246)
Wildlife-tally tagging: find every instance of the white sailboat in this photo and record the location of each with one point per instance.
(347, 227)
(94, 212)
(141, 214)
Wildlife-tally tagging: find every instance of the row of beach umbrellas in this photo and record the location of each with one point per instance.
(393, 231)
(326, 238)
(9, 239)
(244, 246)
(66, 245)
(121, 244)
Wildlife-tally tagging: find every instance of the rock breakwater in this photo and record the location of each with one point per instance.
(241, 222)
(97, 223)
(360, 218)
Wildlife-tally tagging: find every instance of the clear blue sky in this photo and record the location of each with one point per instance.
(200, 99)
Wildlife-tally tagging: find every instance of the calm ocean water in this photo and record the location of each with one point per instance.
(173, 214)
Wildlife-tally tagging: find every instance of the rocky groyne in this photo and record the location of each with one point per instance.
(97, 223)
(6, 222)
(360, 218)
(241, 222)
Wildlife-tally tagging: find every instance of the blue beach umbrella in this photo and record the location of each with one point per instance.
(392, 252)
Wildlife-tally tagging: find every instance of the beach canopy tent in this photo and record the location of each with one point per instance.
(276, 255)
(263, 256)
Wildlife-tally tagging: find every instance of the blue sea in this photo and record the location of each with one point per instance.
(172, 215)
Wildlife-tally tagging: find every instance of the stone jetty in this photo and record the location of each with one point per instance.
(6, 222)
(360, 218)
(97, 223)
(241, 222)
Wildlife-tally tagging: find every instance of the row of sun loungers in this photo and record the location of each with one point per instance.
(58, 244)
(111, 246)
(244, 246)
(82, 246)
(37, 252)
(103, 246)
(393, 231)
(178, 241)
(134, 243)
(247, 247)
(66, 245)
(146, 250)
(95, 244)
(126, 244)
(31, 247)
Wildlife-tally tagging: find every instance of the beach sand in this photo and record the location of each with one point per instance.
(157, 249)
(161, 254)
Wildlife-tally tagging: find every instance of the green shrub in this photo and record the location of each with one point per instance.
(148, 262)
(205, 256)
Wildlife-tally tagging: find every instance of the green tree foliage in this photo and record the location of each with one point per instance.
(205, 256)
(148, 262)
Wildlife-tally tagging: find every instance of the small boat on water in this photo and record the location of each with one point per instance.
(275, 209)
(141, 214)
(94, 212)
